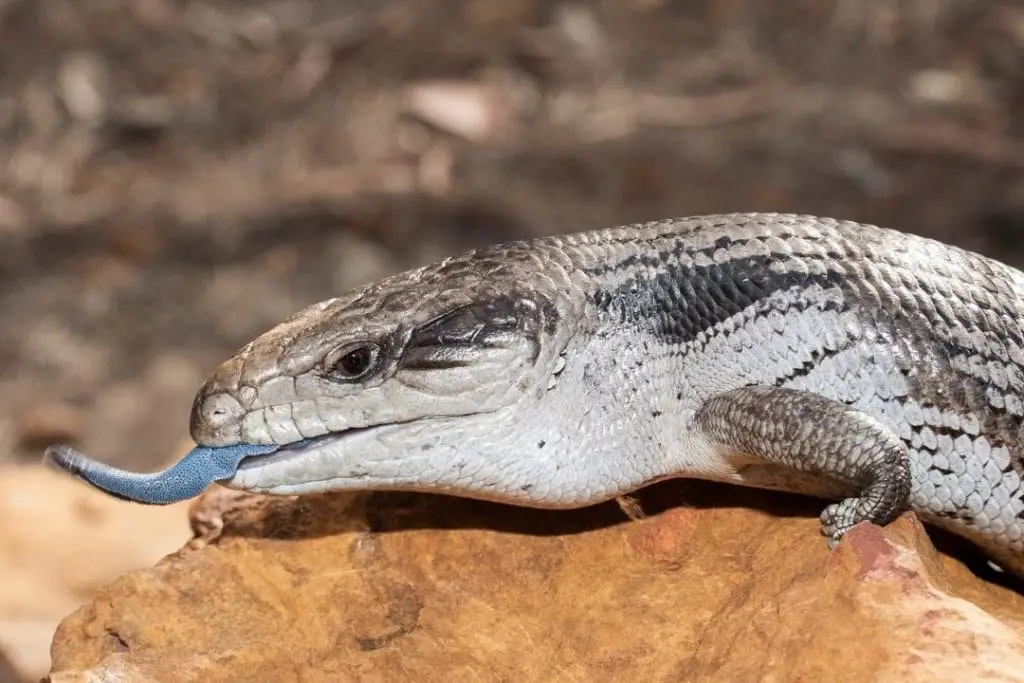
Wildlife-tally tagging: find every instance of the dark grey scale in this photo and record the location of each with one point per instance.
(682, 301)
(685, 304)
(929, 385)
(449, 341)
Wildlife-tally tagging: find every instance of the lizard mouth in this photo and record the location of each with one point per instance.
(313, 445)
(297, 467)
(302, 449)
(310, 465)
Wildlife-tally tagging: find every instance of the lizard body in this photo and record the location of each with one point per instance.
(877, 369)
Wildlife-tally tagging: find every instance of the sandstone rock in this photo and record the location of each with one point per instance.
(59, 542)
(396, 587)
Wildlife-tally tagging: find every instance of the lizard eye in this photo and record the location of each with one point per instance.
(352, 362)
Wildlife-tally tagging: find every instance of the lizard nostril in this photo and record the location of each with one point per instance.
(216, 418)
(221, 409)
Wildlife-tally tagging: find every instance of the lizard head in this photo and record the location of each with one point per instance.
(372, 390)
(355, 391)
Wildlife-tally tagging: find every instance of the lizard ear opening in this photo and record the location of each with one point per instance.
(457, 337)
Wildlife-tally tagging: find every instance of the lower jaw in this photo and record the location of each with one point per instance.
(302, 467)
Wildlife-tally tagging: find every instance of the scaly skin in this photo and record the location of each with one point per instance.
(877, 369)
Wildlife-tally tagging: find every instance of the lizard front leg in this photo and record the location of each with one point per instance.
(775, 435)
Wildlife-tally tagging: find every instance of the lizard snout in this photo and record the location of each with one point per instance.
(216, 418)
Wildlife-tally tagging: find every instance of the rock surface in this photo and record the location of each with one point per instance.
(59, 542)
(392, 587)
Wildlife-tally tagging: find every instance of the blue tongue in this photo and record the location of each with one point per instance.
(185, 479)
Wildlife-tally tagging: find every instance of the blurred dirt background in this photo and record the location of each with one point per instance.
(177, 176)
